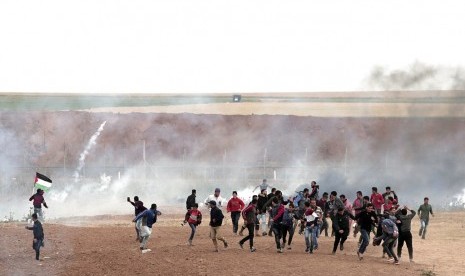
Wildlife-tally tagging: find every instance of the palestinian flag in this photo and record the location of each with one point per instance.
(42, 182)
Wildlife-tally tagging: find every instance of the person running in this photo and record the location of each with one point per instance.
(277, 212)
(358, 206)
(334, 204)
(193, 218)
(190, 201)
(341, 228)
(404, 231)
(37, 201)
(215, 197)
(389, 236)
(322, 203)
(38, 233)
(423, 213)
(235, 206)
(316, 228)
(145, 221)
(349, 209)
(377, 200)
(287, 225)
(262, 186)
(310, 221)
(138, 208)
(216, 220)
(366, 220)
(262, 199)
(249, 215)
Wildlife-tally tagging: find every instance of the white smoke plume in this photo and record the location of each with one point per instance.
(90, 144)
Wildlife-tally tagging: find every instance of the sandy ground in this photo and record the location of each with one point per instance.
(105, 245)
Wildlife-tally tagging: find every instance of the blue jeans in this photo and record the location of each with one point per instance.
(193, 228)
(235, 220)
(365, 240)
(310, 238)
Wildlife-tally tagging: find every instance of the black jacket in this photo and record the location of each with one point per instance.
(216, 217)
(190, 201)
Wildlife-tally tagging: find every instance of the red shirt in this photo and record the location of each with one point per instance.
(377, 200)
(235, 204)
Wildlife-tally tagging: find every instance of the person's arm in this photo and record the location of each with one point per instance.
(139, 216)
(280, 213)
(45, 204)
(31, 198)
(431, 210)
(242, 204)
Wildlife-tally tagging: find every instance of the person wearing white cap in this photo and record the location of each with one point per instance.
(215, 197)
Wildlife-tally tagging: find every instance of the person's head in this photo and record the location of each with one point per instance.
(340, 210)
(374, 190)
(136, 198)
(343, 198)
(369, 207)
(153, 206)
(390, 199)
(291, 207)
(388, 189)
(195, 206)
(393, 210)
(273, 190)
(333, 195)
(254, 201)
(359, 194)
(234, 194)
(264, 181)
(366, 199)
(217, 192)
(313, 202)
(426, 200)
(325, 196)
(403, 211)
(212, 203)
(34, 217)
(274, 201)
(263, 191)
(313, 184)
(39, 191)
(306, 191)
(255, 197)
(278, 193)
(307, 204)
(194, 191)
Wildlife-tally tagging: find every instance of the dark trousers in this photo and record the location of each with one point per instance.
(250, 228)
(407, 237)
(324, 226)
(235, 220)
(388, 246)
(36, 246)
(276, 228)
(287, 229)
(340, 238)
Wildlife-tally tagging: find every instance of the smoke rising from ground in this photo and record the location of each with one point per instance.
(417, 157)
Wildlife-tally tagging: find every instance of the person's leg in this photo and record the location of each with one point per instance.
(307, 232)
(400, 244)
(40, 214)
(315, 231)
(343, 239)
(277, 236)
(336, 241)
(251, 227)
(408, 242)
(236, 217)
(291, 235)
(324, 226)
(193, 228)
(391, 249)
(213, 236)
(36, 246)
(424, 229)
(422, 225)
(284, 230)
(220, 237)
(365, 235)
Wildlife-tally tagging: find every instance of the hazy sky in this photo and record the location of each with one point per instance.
(220, 46)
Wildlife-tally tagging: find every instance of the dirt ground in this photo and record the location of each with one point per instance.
(105, 245)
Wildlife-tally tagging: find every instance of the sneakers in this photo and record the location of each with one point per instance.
(289, 247)
(307, 249)
(360, 256)
(241, 245)
(280, 250)
(411, 260)
(189, 242)
(341, 247)
(390, 260)
(145, 250)
(333, 253)
(253, 249)
(396, 262)
(216, 250)
(225, 245)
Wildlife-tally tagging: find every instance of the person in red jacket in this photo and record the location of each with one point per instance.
(193, 218)
(377, 200)
(235, 206)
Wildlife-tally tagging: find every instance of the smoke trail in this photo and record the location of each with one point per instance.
(88, 147)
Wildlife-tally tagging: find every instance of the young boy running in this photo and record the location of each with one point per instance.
(193, 218)
(38, 232)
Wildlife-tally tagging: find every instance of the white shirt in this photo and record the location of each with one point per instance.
(219, 200)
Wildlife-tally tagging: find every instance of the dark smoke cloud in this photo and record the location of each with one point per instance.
(418, 76)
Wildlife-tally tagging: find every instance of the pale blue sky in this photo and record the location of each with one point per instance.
(182, 46)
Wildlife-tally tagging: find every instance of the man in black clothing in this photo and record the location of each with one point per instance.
(341, 228)
(38, 232)
(138, 208)
(191, 200)
(366, 219)
(405, 234)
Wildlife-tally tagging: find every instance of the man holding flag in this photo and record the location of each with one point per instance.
(41, 183)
